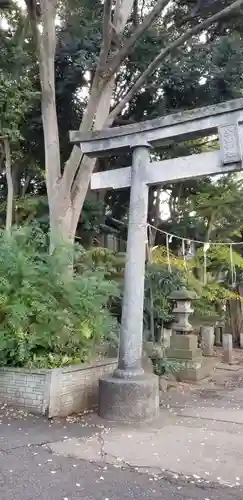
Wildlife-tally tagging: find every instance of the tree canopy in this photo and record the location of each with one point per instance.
(205, 69)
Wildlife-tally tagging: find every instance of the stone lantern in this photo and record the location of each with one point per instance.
(182, 310)
(183, 356)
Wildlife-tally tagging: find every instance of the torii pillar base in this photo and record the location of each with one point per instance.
(129, 400)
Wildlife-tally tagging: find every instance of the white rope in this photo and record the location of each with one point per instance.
(206, 246)
(171, 235)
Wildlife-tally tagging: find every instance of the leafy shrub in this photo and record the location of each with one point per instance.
(162, 282)
(112, 265)
(211, 296)
(47, 318)
(100, 258)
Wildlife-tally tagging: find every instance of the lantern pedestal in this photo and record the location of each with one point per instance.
(183, 347)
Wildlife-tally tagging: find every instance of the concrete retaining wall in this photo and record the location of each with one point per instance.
(56, 392)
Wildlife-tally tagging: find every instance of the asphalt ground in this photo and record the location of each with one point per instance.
(30, 471)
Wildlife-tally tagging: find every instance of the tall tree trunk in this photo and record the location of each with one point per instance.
(59, 211)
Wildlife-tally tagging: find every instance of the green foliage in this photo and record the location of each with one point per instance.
(219, 262)
(199, 73)
(112, 265)
(33, 209)
(92, 215)
(46, 318)
(162, 283)
(218, 207)
(16, 96)
(211, 296)
(171, 368)
(99, 258)
(206, 210)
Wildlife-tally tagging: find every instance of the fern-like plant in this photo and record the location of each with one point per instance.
(45, 318)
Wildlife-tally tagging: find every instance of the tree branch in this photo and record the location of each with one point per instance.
(107, 34)
(163, 53)
(76, 156)
(99, 85)
(80, 187)
(122, 12)
(119, 57)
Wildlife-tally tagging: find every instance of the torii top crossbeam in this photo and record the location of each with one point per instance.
(160, 131)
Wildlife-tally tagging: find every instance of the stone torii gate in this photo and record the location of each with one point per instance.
(130, 394)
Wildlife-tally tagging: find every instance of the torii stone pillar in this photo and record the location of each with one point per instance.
(130, 394)
(131, 338)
